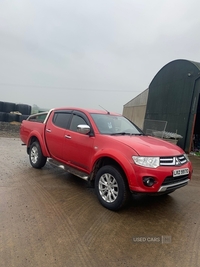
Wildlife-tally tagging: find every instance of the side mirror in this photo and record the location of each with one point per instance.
(83, 128)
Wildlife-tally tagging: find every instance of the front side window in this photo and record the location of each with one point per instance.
(114, 125)
(76, 120)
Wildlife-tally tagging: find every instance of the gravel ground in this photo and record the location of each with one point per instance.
(9, 129)
(49, 218)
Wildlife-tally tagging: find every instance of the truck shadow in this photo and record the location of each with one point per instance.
(73, 185)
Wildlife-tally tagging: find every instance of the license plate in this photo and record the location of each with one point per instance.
(180, 172)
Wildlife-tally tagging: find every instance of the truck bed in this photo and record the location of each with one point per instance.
(34, 123)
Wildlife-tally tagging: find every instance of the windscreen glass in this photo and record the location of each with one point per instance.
(114, 125)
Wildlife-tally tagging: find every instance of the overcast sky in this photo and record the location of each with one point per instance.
(87, 53)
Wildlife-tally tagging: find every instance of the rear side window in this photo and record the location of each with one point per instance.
(61, 119)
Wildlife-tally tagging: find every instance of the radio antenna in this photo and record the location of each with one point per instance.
(105, 109)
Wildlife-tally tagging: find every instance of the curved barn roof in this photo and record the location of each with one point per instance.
(179, 68)
(197, 64)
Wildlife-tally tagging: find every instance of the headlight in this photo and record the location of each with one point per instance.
(150, 162)
(186, 156)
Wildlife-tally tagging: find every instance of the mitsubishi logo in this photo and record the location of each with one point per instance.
(177, 162)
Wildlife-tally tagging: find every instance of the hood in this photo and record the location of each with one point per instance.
(149, 146)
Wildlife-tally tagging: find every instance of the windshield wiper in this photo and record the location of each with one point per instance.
(120, 133)
(125, 133)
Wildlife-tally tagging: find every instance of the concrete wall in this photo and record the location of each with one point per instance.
(135, 109)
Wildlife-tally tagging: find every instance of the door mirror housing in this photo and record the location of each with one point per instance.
(83, 128)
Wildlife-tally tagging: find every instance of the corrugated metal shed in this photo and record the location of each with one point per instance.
(174, 97)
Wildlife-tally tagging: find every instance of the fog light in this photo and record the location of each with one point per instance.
(148, 181)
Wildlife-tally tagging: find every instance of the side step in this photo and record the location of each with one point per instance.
(69, 169)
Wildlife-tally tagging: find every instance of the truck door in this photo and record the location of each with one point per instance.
(55, 132)
(78, 147)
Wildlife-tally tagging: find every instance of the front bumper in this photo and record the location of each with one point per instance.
(163, 176)
(173, 186)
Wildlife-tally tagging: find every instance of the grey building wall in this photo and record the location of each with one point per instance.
(135, 109)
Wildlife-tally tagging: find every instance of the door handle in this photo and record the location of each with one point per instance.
(48, 130)
(68, 136)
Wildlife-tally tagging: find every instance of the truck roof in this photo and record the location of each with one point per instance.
(87, 110)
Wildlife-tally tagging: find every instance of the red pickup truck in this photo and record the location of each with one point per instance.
(107, 150)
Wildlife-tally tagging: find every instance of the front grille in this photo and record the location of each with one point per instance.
(172, 180)
(173, 161)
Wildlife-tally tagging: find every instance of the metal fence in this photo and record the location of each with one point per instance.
(155, 128)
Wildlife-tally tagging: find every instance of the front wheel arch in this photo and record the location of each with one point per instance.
(111, 188)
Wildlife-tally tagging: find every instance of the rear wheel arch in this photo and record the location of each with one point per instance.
(36, 138)
(31, 140)
(36, 157)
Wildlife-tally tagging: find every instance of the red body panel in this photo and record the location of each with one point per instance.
(83, 151)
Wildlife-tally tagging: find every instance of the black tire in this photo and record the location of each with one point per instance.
(1, 106)
(36, 157)
(2, 116)
(111, 188)
(8, 107)
(11, 117)
(23, 109)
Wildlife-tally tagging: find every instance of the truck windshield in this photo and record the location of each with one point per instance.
(115, 125)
